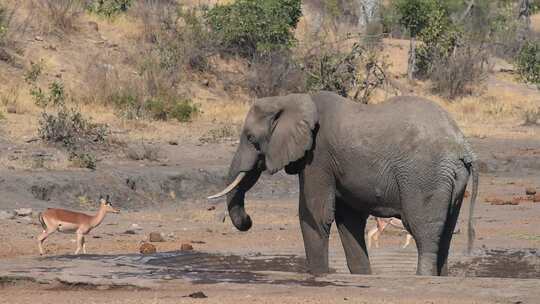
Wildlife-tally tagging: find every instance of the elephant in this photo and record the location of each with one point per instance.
(403, 158)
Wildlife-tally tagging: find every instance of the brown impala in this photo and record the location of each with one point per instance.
(67, 221)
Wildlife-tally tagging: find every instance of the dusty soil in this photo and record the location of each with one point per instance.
(507, 237)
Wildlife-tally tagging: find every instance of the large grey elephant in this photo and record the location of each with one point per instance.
(403, 158)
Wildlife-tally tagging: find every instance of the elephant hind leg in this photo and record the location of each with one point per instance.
(351, 226)
(460, 184)
(429, 229)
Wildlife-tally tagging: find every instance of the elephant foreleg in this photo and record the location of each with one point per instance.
(316, 212)
(351, 225)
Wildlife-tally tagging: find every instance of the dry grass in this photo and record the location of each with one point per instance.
(535, 23)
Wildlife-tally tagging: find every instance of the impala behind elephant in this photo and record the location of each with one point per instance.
(404, 158)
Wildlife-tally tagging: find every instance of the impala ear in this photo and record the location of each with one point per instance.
(292, 126)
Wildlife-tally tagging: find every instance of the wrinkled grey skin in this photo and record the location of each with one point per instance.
(404, 158)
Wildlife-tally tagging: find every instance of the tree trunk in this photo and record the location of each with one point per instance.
(412, 59)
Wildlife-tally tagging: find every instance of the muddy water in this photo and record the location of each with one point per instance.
(201, 267)
(519, 264)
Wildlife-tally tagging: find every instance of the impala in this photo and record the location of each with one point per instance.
(382, 224)
(67, 221)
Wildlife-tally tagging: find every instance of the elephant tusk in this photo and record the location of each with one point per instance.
(231, 187)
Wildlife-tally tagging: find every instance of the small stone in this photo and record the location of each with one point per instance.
(23, 211)
(129, 231)
(147, 248)
(536, 198)
(211, 208)
(173, 142)
(6, 215)
(530, 191)
(136, 227)
(206, 82)
(11, 109)
(501, 202)
(155, 237)
(197, 295)
(186, 247)
(38, 38)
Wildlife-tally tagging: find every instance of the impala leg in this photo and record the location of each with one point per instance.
(373, 235)
(41, 238)
(83, 245)
(408, 239)
(80, 242)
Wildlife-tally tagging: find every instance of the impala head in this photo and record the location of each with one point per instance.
(106, 204)
(277, 134)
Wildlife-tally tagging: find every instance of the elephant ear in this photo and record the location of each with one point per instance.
(295, 119)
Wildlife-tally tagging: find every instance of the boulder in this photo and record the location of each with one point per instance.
(147, 248)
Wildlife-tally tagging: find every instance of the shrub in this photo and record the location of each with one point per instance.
(275, 73)
(56, 96)
(528, 62)
(127, 104)
(182, 110)
(455, 75)
(3, 24)
(247, 27)
(61, 15)
(355, 74)
(70, 129)
(109, 8)
(83, 159)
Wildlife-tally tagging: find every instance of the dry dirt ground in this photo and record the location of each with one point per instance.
(508, 167)
(265, 264)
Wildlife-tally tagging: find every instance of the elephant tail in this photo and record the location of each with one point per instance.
(474, 193)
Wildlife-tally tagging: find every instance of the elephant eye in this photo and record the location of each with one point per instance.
(251, 138)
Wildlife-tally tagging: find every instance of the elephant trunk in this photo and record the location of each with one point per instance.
(235, 200)
(245, 164)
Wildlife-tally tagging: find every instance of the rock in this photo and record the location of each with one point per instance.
(23, 211)
(5, 56)
(197, 295)
(11, 109)
(500, 202)
(205, 82)
(186, 247)
(6, 215)
(136, 227)
(147, 248)
(530, 191)
(211, 208)
(155, 237)
(536, 198)
(38, 38)
(173, 142)
(93, 25)
(129, 231)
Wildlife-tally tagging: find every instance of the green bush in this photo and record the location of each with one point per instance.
(182, 110)
(127, 104)
(528, 62)
(3, 24)
(83, 159)
(70, 129)
(109, 8)
(247, 27)
(56, 96)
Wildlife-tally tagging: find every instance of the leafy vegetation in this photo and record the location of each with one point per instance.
(248, 27)
(109, 8)
(528, 62)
